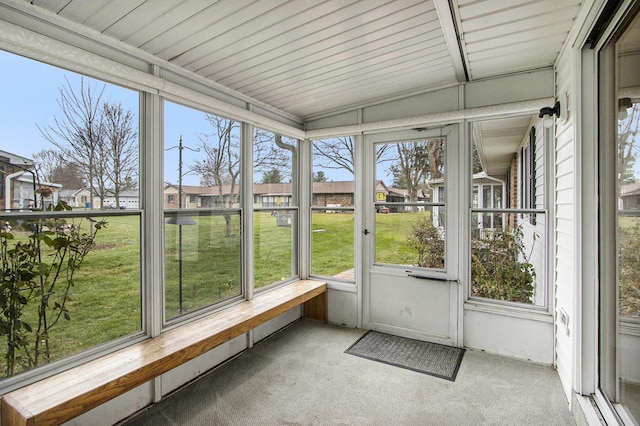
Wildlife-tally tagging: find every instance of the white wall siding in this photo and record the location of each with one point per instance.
(565, 238)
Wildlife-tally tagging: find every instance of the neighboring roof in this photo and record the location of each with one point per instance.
(346, 187)
(129, 193)
(73, 192)
(28, 177)
(630, 189)
(17, 159)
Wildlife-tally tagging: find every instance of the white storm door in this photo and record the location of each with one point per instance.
(412, 221)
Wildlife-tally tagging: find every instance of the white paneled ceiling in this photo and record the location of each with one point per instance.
(310, 58)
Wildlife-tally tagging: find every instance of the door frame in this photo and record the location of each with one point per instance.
(457, 190)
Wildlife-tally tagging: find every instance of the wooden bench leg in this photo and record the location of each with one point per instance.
(316, 309)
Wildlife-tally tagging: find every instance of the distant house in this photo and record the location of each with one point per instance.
(75, 197)
(19, 187)
(332, 194)
(128, 200)
(193, 197)
(630, 196)
(389, 194)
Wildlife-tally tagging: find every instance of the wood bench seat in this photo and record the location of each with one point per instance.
(66, 395)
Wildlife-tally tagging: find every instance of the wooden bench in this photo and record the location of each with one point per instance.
(66, 395)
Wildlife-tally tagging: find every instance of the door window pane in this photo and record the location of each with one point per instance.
(409, 203)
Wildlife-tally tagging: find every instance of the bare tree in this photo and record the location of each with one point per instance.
(417, 163)
(339, 153)
(52, 167)
(270, 154)
(221, 165)
(628, 145)
(121, 149)
(96, 138)
(79, 132)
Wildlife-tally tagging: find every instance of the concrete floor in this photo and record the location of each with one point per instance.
(301, 376)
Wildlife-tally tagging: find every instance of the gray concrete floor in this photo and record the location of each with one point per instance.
(301, 376)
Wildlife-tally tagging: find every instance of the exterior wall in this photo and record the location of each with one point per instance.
(171, 193)
(566, 243)
(534, 233)
(343, 200)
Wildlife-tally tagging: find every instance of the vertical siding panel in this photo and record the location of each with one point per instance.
(565, 238)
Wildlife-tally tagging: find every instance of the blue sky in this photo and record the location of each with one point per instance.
(30, 91)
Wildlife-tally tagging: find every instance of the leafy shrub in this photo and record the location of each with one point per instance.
(500, 268)
(36, 276)
(629, 270)
(428, 242)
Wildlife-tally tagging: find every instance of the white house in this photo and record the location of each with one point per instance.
(20, 188)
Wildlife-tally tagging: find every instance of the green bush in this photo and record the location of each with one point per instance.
(629, 270)
(428, 242)
(37, 274)
(500, 268)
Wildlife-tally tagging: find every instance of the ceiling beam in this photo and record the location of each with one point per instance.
(452, 38)
(434, 120)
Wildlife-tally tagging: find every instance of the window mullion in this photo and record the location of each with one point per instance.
(246, 203)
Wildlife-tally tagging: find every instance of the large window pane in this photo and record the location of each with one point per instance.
(410, 238)
(508, 243)
(332, 233)
(410, 203)
(202, 263)
(71, 272)
(274, 259)
(275, 221)
(627, 181)
(202, 215)
(332, 243)
(507, 264)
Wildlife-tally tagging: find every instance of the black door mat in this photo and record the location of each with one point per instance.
(424, 357)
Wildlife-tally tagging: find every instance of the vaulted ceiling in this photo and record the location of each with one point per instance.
(310, 58)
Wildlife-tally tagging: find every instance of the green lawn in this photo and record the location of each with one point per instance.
(393, 231)
(332, 243)
(210, 263)
(105, 303)
(332, 240)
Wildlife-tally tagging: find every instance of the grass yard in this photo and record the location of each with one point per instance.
(332, 240)
(332, 243)
(210, 263)
(105, 302)
(393, 231)
(272, 248)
